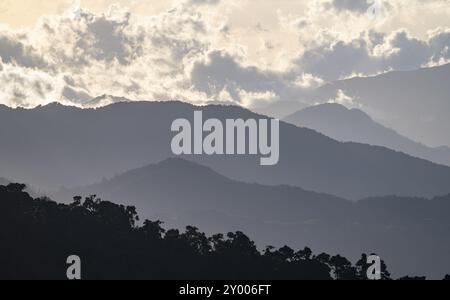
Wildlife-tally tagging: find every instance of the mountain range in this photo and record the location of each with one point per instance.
(354, 125)
(58, 146)
(408, 233)
(413, 103)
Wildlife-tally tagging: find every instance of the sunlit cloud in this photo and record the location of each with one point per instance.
(206, 51)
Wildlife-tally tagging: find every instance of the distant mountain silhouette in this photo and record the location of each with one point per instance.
(176, 187)
(54, 146)
(354, 125)
(414, 103)
(409, 233)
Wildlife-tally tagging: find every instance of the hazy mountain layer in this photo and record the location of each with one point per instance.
(56, 146)
(354, 125)
(414, 103)
(409, 233)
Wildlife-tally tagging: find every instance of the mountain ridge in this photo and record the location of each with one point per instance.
(413, 103)
(56, 146)
(181, 192)
(354, 125)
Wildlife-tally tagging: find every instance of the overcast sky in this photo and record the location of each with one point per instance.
(237, 51)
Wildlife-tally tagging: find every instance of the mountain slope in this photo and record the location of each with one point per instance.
(407, 232)
(176, 186)
(56, 146)
(414, 103)
(353, 125)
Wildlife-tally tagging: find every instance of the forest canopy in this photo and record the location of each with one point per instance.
(39, 234)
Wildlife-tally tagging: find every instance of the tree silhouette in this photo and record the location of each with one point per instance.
(362, 267)
(342, 268)
(152, 230)
(38, 235)
(304, 254)
(413, 278)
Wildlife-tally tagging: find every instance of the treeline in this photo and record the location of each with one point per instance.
(37, 236)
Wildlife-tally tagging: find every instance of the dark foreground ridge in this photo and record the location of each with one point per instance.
(38, 235)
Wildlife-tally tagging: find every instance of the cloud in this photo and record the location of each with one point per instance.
(175, 55)
(440, 43)
(26, 87)
(373, 53)
(198, 52)
(343, 99)
(13, 50)
(221, 73)
(96, 54)
(359, 6)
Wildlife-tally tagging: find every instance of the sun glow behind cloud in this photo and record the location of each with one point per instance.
(246, 52)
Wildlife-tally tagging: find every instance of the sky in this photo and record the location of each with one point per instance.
(246, 52)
